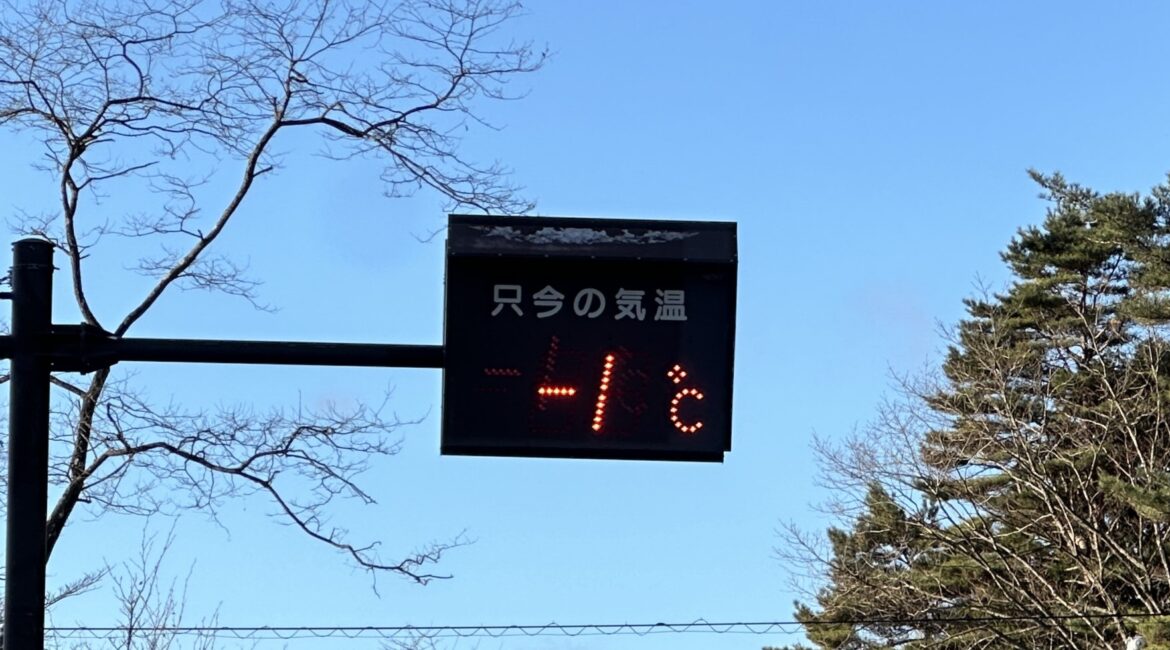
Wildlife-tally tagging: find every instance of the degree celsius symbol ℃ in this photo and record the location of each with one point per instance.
(676, 375)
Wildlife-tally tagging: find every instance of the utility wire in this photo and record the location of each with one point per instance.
(432, 632)
(550, 629)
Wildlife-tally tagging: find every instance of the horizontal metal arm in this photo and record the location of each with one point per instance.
(84, 348)
(281, 353)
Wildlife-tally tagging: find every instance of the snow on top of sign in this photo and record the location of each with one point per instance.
(585, 236)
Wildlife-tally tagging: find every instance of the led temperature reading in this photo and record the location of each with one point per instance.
(686, 423)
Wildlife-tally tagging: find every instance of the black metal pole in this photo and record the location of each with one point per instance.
(28, 445)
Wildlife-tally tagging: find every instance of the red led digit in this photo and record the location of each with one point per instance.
(676, 375)
(603, 393)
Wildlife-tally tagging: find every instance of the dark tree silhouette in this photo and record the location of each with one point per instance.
(1021, 497)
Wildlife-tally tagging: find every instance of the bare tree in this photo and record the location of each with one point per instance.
(151, 609)
(128, 97)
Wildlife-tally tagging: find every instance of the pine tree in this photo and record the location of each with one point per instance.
(1021, 499)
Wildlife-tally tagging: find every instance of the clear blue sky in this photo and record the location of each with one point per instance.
(874, 156)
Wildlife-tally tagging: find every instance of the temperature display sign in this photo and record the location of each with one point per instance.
(589, 338)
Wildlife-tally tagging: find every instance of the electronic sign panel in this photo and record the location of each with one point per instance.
(589, 338)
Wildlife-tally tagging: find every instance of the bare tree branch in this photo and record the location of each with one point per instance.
(162, 101)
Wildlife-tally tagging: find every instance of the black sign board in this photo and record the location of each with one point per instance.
(589, 338)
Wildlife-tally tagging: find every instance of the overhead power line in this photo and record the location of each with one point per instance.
(553, 629)
(436, 631)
